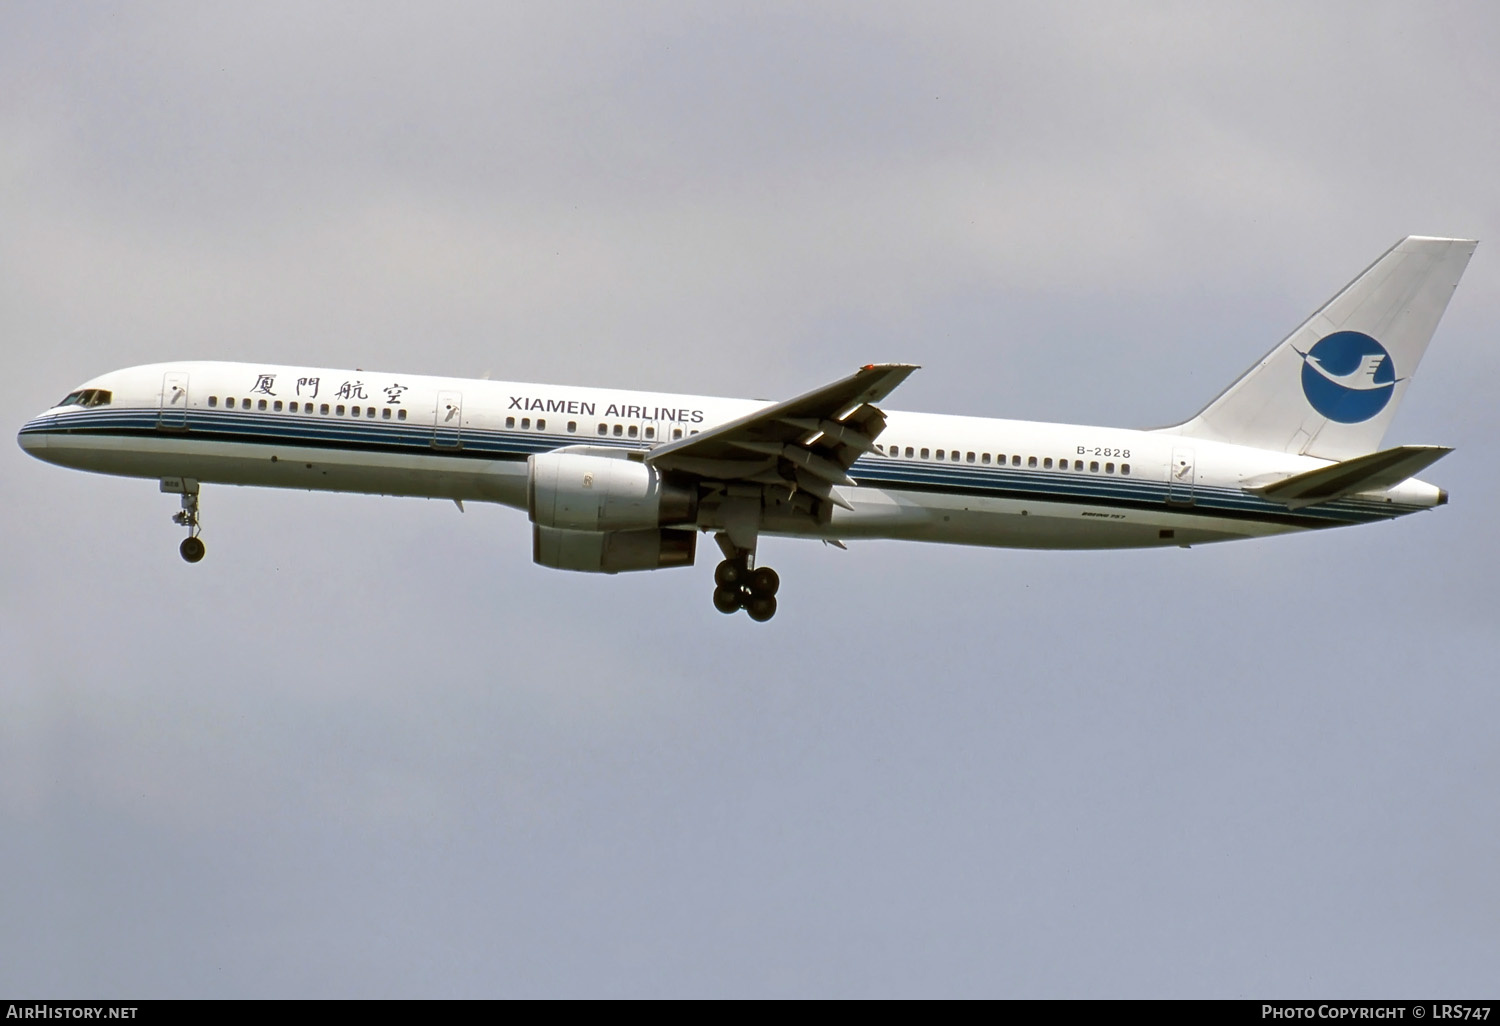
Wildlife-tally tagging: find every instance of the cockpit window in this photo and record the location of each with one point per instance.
(88, 397)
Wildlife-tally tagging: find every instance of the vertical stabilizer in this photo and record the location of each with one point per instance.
(1331, 389)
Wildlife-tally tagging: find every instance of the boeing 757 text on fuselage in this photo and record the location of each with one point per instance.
(621, 480)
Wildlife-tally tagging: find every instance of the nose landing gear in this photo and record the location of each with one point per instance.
(192, 546)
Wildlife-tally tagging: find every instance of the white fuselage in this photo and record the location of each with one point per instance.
(966, 480)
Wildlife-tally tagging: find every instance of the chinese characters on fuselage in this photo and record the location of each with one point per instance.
(307, 387)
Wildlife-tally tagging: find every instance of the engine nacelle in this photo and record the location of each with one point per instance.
(612, 552)
(576, 492)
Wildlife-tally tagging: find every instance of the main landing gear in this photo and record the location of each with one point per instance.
(192, 546)
(739, 587)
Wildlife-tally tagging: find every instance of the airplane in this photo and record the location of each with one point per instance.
(621, 480)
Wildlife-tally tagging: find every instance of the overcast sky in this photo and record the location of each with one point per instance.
(366, 748)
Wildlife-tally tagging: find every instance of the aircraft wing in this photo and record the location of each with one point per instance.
(811, 440)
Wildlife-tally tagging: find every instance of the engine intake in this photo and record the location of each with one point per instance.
(576, 492)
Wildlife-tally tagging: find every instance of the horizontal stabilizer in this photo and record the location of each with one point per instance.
(1373, 472)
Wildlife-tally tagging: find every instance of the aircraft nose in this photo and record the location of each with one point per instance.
(33, 438)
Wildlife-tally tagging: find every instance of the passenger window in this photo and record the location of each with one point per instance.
(323, 409)
(632, 431)
(339, 409)
(676, 433)
(1030, 461)
(541, 425)
(969, 457)
(619, 430)
(401, 414)
(940, 454)
(354, 411)
(908, 452)
(1015, 461)
(1124, 468)
(651, 432)
(525, 423)
(277, 406)
(953, 455)
(1047, 463)
(924, 454)
(604, 429)
(370, 412)
(1094, 467)
(1078, 464)
(244, 404)
(572, 426)
(261, 405)
(985, 458)
(1109, 468)
(213, 400)
(229, 403)
(510, 422)
(385, 414)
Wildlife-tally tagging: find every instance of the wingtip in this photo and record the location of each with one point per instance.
(1440, 238)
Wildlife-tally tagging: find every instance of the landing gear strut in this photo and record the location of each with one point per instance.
(192, 546)
(739, 587)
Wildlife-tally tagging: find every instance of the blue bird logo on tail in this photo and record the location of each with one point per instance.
(1348, 377)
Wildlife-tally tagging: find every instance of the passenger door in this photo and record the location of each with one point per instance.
(1181, 476)
(172, 415)
(448, 421)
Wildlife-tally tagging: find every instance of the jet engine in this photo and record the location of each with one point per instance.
(605, 514)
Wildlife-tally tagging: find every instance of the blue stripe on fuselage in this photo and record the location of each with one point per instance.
(414, 438)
